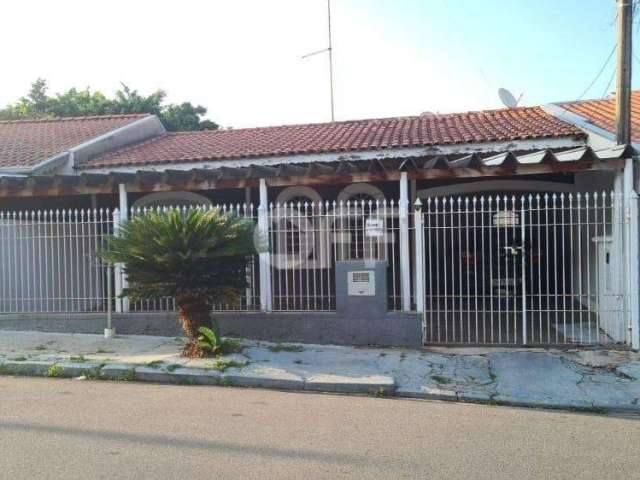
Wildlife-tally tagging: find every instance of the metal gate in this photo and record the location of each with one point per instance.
(529, 269)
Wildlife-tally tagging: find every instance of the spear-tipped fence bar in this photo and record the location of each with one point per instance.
(494, 269)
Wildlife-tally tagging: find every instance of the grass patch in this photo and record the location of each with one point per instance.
(440, 379)
(54, 371)
(230, 345)
(40, 347)
(102, 350)
(78, 359)
(285, 347)
(223, 364)
(155, 364)
(18, 359)
(173, 366)
(226, 382)
(128, 376)
(4, 370)
(381, 393)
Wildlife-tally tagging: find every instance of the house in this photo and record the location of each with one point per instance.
(500, 227)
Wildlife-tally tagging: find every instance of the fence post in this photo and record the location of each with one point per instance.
(405, 264)
(265, 252)
(419, 256)
(117, 267)
(122, 304)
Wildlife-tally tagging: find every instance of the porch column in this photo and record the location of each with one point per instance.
(264, 249)
(122, 305)
(405, 254)
(631, 251)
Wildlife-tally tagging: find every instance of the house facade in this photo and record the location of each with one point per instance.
(503, 227)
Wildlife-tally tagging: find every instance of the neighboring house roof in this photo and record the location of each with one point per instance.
(602, 113)
(523, 123)
(25, 143)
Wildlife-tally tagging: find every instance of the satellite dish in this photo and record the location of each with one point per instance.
(507, 98)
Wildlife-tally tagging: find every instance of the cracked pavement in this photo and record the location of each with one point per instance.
(598, 380)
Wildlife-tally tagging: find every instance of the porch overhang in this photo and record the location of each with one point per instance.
(438, 167)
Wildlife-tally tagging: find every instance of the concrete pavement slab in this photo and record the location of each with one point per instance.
(586, 379)
(531, 378)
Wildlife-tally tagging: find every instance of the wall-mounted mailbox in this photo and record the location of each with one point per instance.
(361, 288)
(361, 283)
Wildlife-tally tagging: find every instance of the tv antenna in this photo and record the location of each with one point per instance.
(507, 98)
(329, 49)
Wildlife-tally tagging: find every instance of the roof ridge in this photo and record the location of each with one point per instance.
(358, 120)
(78, 118)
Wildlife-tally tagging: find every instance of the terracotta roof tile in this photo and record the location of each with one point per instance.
(470, 127)
(25, 143)
(601, 113)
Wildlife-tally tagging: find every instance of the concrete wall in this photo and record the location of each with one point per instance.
(392, 329)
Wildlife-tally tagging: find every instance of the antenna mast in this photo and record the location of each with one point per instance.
(330, 51)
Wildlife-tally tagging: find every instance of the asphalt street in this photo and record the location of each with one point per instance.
(73, 429)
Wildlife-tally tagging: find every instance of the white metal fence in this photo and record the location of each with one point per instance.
(526, 269)
(250, 301)
(48, 261)
(307, 239)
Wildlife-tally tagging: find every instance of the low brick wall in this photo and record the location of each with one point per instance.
(391, 329)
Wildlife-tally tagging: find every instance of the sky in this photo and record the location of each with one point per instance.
(242, 58)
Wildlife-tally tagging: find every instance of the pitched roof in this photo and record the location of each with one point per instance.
(602, 113)
(25, 143)
(357, 135)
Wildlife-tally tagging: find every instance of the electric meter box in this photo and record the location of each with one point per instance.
(361, 287)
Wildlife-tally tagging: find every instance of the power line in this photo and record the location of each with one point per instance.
(595, 79)
(606, 90)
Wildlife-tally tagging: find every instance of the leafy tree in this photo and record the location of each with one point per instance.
(196, 256)
(77, 103)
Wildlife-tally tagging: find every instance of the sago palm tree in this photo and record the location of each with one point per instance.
(196, 256)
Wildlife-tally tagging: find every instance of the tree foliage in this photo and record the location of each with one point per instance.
(78, 103)
(174, 253)
(196, 256)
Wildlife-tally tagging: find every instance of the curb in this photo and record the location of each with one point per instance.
(373, 385)
(378, 385)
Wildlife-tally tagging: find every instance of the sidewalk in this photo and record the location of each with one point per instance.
(602, 380)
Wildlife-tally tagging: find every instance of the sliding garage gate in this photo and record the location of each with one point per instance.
(525, 269)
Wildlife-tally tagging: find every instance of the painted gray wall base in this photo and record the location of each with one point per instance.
(164, 324)
(392, 329)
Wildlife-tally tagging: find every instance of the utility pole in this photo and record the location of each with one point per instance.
(630, 197)
(623, 84)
